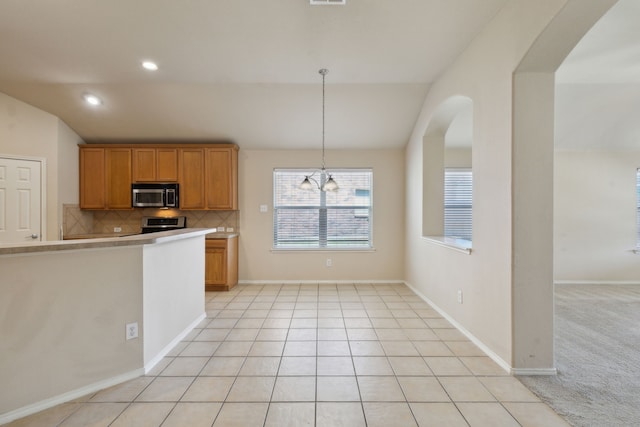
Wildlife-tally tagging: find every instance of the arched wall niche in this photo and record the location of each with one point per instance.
(447, 143)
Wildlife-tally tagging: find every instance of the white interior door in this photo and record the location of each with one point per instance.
(20, 200)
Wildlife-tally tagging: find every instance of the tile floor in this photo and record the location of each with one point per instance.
(315, 355)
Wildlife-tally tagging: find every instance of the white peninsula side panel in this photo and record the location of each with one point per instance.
(173, 294)
(62, 323)
(64, 307)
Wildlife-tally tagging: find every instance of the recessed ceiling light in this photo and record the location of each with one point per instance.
(92, 99)
(149, 65)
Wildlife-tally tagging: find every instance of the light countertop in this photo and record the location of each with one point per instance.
(105, 242)
(221, 235)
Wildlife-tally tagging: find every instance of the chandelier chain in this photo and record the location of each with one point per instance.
(324, 72)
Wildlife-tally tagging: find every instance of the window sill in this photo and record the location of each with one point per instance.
(322, 250)
(460, 245)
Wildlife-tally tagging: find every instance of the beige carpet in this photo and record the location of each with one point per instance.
(597, 352)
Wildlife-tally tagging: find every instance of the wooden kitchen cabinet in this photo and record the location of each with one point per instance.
(221, 263)
(207, 173)
(221, 178)
(93, 191)
(105, 178)
(209, 177)
(155, 164)
(118, 178)
(191, 162)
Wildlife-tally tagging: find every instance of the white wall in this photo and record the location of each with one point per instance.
(458, 157)
(259, 262)
(173, 293)
(507, 71)
(63, 314)
(595, 216)
(68, 166)
(29, 131)
(63, 317)
(484, 74)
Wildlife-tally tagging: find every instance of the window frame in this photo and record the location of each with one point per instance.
(324, 243)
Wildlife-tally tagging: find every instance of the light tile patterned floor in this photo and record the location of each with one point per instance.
(315, 355)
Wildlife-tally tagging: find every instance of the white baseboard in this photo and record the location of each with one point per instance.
(319, 282)
(501, 362)
(162, 353)
(492, 355)
(68, 396)
(596, 282)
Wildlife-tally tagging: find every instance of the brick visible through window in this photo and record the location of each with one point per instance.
(322, 220)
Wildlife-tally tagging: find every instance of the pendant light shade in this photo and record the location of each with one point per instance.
(331, 184)
(306, 184)
(327, 183)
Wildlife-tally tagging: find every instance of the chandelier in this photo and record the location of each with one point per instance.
(326, 183)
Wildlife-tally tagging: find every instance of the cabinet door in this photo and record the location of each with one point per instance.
(118, 167)
(92, 178)
(215, 262)
(221, 178)
(167, 164)
(192, 175)
(144, 164)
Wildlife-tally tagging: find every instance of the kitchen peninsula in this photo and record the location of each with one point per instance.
(65, 307)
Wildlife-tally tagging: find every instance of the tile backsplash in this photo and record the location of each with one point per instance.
(78, 221)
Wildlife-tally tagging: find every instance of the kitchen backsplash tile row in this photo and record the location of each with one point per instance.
(78, 221)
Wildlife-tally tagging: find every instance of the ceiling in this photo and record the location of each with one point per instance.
(240, 70)
(598, 85)
(247, 70)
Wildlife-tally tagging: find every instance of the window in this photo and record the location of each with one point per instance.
(458, 195)
(322, 220)
(638, 208)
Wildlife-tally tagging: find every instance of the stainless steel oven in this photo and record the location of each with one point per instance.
(152, 224)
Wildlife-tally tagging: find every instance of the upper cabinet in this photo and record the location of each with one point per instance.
(118, 165)
(93, 193)
(155, 164)
(192, 178)
(105, 178)
(207, 174)
(209, 177)
(221, 165)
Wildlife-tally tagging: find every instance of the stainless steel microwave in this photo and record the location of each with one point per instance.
(155, 195)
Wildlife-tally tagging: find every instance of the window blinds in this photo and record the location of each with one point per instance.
(318, 220)
(458, 196)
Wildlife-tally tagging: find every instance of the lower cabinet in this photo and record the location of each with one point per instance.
(221, 263)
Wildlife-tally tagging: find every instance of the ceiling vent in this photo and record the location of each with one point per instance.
(327, 2)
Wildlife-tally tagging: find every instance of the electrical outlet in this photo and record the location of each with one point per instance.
(131, 331)
(329, 263)
(117, 229)
(459, 296)
(264, 208)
